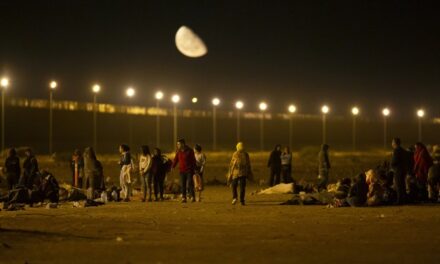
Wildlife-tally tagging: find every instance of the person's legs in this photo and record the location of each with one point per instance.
(150, 186)
(201, 189)
(433, 182)
(144, 186)
(271, 178)
(242, 189)
(422, 190)
(161, 186)
(190, 186)
(234, 185)
(277, 176)
(156, 186)
(400, 187)
(322, 179)
(183, 183)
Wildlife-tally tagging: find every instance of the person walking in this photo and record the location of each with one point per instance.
(399, 165)
(200, 169)
(125, 173)
(12, 169)
(274, 164)
(323, 167)
(187, 163)
(422, 162)
(286, 165)
(239, 171)
(30, 169)
(144, 171)
(77, 168)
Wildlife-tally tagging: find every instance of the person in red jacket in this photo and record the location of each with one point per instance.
(187, 163)
(422, 163)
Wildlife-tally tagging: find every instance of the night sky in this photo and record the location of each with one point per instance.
(370, 53)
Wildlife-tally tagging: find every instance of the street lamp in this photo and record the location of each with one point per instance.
(95, 89)
(385, 112)
(355, 112)
(325, 110)
(292, 110)
(4, 85)
(215, 103)
(263, 107)
(52, 85)
(420, 115)
(130, 92)
(159, 96)
(175, 99)
(194, 100)
(238, 105)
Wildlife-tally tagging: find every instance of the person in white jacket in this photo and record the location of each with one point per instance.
(144, 172)
(200, 168)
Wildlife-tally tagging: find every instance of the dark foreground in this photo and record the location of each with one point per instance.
(217, 232)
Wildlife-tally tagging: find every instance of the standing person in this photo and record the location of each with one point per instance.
(93, 173)
(160, 165)
(422, 163)
(144, 171)
(323, 167)
(187, 163)
(200, 167)
(434, 175)
(125, 174)
(77, 167)
(13, 170)
(399, 165)
(30, 169)
(239, 171)
(286, 165)
(411, 180)
(274, 163)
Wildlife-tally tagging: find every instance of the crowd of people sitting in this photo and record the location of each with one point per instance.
(412, 175)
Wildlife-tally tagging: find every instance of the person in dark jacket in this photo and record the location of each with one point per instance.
(399, 165)
(77, 168)
(13, 170)
(274, 163)
(411, 180)
(93, 173)
(187, 164)
(323, 167)
(357, 196)
(30, 169)
(434, 176)
(160, 165)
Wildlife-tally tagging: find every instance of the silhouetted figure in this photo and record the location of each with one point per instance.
(323, 167)
(200, 168)
(30, 169)
(422, 163)
(160, 166)
(77, 168)
(239, 171)
(286, 165)
(434, 175)
(93, 173)
(399, 165)
(12, 169)
(187, 164)
(274, 164)
(357, 196)
(126, 170)
(144, 172)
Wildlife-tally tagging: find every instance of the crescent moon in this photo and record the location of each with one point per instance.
(189, 44)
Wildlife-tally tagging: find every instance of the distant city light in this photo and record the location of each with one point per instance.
(194, 100)
(4, 82)
(386, 112)
(96, 88)
(130, 92)
(239, 105)
(355, 111)
(215, 101)
(175, 98)
(263, 106)
(53, 85)
(292, 108)
(420, 113)
(159, 95)
(325, 109)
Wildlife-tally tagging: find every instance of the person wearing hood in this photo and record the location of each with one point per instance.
(30, 169)
(187, 164)
(125, 173)
(274, 164)
(357, 196)
(434, 175)
(77, 168)
(12, 167)
(399, 165)
(422, 163)
(93, 173)
(239, 171)
(323, 167)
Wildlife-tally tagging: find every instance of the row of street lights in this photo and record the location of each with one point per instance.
(175, 99)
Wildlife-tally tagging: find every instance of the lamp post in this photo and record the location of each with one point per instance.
(292, 110)
(215, 103)
(130, 92)
(52, 85)
(385, 112)
(194, 101)
(158, 96)
(263, 107)
(420, 115)
(355, 113)
(4, 83)
(95, 89)
(238, 105)
(175, 99)
(325, 110)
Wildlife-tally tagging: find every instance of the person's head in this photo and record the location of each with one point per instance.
(157, 152)
(286, 150)
(240, 146)
(278, 147)
(181, 144)
(123, 148)
(198, 148)
(12, 152)
(396, 142)
(145, 150)
(419, 146)
(325, 147)
(28, 152)
(89, 153)
(77, 153)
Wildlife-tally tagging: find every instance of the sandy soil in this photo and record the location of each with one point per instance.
(215, 231)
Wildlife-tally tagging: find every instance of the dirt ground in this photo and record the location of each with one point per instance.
(215, 231)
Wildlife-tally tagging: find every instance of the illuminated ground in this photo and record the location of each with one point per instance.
(216, 231)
